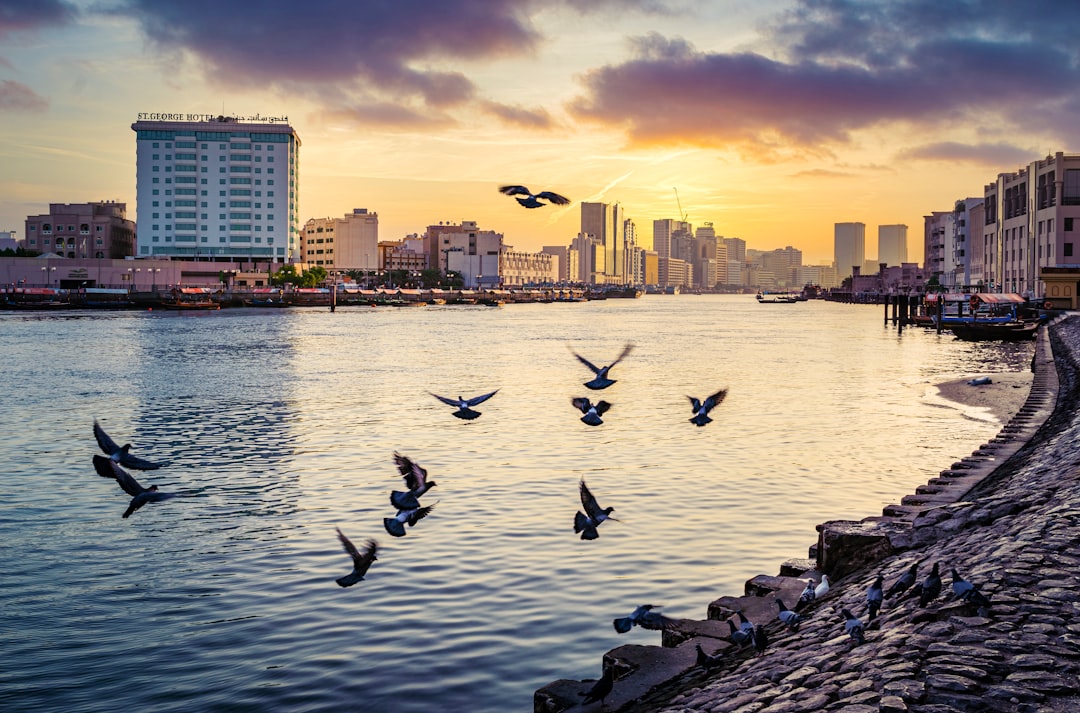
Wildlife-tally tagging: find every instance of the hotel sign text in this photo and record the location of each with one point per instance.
(163, 116)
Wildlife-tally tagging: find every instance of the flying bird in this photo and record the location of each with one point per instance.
(108, 468)
(808, 595)
(396, 525)
(646, 618)
(120, 454)
(587, 522)
(361, 560)
(702, 408)
(601, 689)
(463, 404)
(823, 587)
(853, 626)
(790, 618)
(416, 480)
(592, 411)
(533, 200)
(931, 587)
(906, 580)
(601, 380)
(874, 596)
(968, 592)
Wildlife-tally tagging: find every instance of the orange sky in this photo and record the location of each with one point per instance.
(774, 120)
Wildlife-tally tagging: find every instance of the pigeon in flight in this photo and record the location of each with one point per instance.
(396, 525)
(646, 618)
(463, 404)
(120, 454)
(416, 481)
(874, 596)
(108, 468)
(587, 522)
(702, 408)
(968, 592)
(853, 626)
(601, 689)
(592, 411)
(601, 381)
(808, 595)
(931, 587)
(907, 579)
(790, 618)
(361, 560)
(533, 200)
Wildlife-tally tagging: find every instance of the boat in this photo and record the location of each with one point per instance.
(767, 297)
(190, 298)
(36, 298)
(963, 307)
(104, 298)
(996, 331)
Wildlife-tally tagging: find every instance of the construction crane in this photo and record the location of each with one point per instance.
(679, 203)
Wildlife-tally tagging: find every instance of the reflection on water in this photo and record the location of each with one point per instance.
(278, 427)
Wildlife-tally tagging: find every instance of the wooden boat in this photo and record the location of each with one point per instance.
(995, 331)
(36, 298)
(189, 304)
(776, 298)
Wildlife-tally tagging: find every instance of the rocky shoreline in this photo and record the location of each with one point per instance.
(1007, 518)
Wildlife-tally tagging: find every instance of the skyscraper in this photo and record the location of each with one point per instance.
(604, 221)
(892, 244)
(849, 247)
(216, 188)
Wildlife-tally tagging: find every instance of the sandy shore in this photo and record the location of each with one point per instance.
(1002, 397)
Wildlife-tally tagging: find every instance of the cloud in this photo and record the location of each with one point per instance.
(519, 116)
(841, 67)
(980, 154)
(22, 15)
(15, 96)
(398, 49)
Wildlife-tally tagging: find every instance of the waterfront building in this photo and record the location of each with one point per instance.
(906, 278)
(632, 272)
(736, 248)
(733, 277)
(590, 259)
(820, 275)
(469, 251)
(606, 223)
(650, 268)
(567, 259)
(849, 247)
(517, 269)
(85, 230)
(407, 254)
(937, 231)
(673, 272)
(147, 275)
(7, 240)
(349, 243)
(217, 188)
(1031, 223)
(892, 244)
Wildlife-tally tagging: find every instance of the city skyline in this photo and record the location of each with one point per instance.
(773, 120)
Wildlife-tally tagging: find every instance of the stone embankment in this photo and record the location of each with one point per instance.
(1006, 519)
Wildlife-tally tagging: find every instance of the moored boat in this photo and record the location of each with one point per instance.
(995, 331)
(767, 297)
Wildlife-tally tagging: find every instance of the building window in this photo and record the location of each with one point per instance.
(1068, 225)
(1068, 249)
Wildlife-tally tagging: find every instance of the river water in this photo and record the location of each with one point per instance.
(278, 426)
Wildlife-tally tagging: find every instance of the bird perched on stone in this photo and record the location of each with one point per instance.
(705, 660)
(533, 200)
(906, 580)
(601, 380)
(108, 468)
(464, 405)
(587, 522)
(746, 627)
(592, 411)
(120, 454)
(416, 480)
(808, 595)
(646, 618)
(361, 559)
(874, 596)
(931, 587)
(968, 592)
(702, 408)
(396, 525)
(853, 626)
(790, 618)
(601, 689)
(760, 639)
(739, 637)
(823, 586)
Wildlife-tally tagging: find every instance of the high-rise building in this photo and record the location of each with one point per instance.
(606, 223)
(218, 188)
(892, 244)
(849, 247)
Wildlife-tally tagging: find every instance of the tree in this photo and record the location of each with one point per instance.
(288, 275)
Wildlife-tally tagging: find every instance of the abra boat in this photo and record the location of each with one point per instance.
(189, 298)
(776, 297)
(995, 331)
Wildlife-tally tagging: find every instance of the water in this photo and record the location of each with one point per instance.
(279, 426)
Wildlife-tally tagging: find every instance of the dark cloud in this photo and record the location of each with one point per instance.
(520, 116)
(981, 154)
(399, 49)
(20, 15)
(847, 65)
(15, 96)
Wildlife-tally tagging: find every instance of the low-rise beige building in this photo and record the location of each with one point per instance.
(349, 243)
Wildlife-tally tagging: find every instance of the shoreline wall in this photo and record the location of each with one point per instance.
(648, 677)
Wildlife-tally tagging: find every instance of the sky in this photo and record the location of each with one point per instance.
(771, 119)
